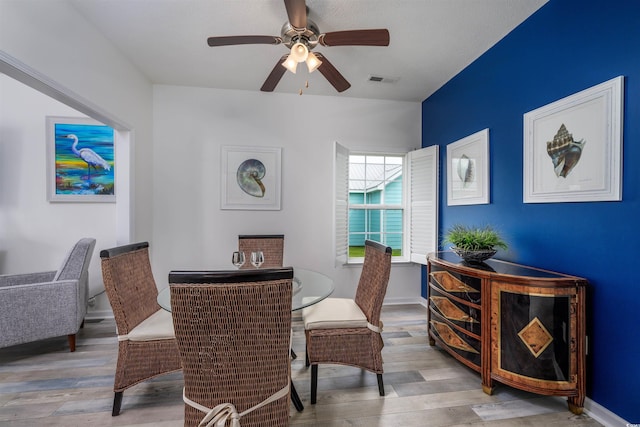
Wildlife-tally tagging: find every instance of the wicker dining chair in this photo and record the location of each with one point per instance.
(233, 330)
(347, 331)
(271, 245)
(146, 341)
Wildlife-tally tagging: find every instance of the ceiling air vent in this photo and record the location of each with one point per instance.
(381, 79)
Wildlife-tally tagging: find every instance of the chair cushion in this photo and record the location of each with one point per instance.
(158, 326)
(332, 313)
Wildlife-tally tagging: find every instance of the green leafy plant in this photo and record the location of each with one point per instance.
(468, 238)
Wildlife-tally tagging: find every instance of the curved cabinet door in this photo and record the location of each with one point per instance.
(535, 330)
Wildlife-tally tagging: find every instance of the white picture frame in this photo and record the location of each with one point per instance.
(468, 170)
(81, 162)
(585, 166)
(250, 178)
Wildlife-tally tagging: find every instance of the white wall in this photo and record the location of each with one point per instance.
(52, 38)
(35, 235)
(190, 126)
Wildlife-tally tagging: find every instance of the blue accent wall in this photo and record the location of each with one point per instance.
(565, 47)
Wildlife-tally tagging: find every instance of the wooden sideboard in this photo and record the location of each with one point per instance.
(518, 325)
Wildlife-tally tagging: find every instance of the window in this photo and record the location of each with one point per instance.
(389, 198)
(376, 202)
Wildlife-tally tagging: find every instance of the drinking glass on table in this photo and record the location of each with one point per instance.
(237, 259)
(257, 258)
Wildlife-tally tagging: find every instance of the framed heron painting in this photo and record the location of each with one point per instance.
(80, 160)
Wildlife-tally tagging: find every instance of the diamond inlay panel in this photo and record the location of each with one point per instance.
(536, 337)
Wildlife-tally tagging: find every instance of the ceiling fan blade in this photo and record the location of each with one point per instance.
(274, 77)
(332, 75)
(235, 40)
(375, 37)
(297, 13)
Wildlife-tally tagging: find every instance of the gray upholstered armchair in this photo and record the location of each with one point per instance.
(49, 304)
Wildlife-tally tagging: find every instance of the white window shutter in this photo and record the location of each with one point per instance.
(423, 192)
(341, 203)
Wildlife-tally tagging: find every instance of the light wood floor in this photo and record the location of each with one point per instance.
(42, 384)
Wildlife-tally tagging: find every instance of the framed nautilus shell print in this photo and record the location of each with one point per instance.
(468, 170)
(573, 147)
(250, 178)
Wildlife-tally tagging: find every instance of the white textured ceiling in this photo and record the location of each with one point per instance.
(430, 41)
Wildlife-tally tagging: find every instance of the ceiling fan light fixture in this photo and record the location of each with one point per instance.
(290, 64)
(299, 52)
(313, 62)
(300, 35)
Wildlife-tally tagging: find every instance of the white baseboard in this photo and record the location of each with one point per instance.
(603, 415)
(99, 315)
(405, 300)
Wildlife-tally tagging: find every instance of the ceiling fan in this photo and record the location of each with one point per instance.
(301, 36)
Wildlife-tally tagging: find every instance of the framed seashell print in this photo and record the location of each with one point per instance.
(468, 170)
(250, 178)
(573, 147)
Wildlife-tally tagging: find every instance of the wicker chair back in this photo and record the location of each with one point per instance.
(374, 279)
(233, 331)
(271, 245)
(129, 283)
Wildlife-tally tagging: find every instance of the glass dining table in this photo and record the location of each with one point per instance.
(309, 287)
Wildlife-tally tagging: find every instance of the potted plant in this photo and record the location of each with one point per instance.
(472, 243)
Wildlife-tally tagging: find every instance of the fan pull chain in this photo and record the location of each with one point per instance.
(306, 85)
